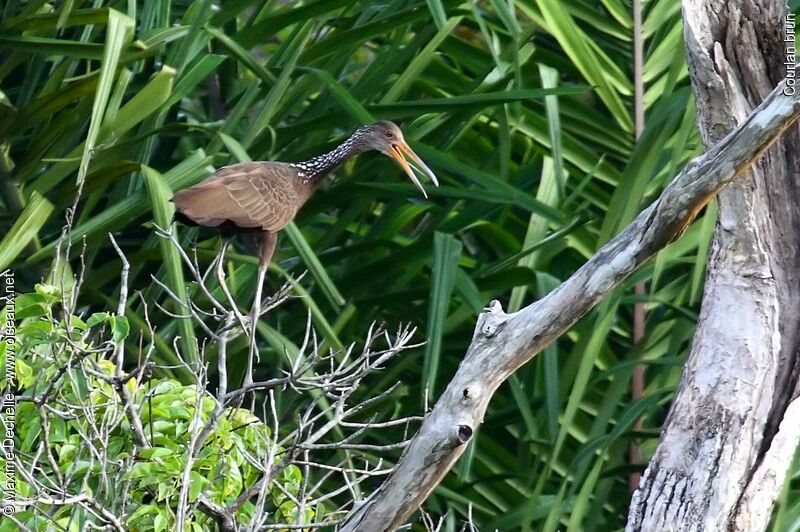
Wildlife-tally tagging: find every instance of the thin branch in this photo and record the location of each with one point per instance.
(637, 379)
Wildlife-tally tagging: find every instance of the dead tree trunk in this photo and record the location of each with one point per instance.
(504, 342)
(735, 421)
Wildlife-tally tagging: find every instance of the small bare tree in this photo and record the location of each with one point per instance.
(299, 475)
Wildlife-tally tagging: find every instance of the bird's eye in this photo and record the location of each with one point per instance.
(389, 134)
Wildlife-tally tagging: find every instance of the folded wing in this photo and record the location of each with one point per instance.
(251, 196)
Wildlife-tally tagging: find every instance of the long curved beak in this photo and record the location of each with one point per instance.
(399, 152)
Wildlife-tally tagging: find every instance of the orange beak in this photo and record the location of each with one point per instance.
(399, 151)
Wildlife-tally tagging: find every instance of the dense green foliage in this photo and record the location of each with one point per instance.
(523, 109)
(141, 487)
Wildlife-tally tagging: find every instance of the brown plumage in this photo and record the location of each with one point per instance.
(245, 197)
(264, 196)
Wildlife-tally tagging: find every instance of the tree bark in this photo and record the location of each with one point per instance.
(503, 342)
(735, 421)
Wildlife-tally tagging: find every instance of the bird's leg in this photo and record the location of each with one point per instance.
(266, 247)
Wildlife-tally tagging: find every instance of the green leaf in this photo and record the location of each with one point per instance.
(314, 265)
(446, 252)
(160, 522)
(24, 372)
(586, 57)
(190, 171)
(480, 100)
(97, 318)
(505, 11)
(142, 105)
(119, 328)
(43, 21)
(146, 101)
(29, 306)
(589, 348)
(118, 33)
(547, 193)
(438, 12)
(152, 453)
(196, 485)
(234, 147)
(160, 194)
(195, 74)
(260, 122)
(25, 228)
(424, 57)
(349, 104)
(584, 497)
(48, 46)
(241, 55)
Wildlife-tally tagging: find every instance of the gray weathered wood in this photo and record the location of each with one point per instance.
(732, 430)
(503, 342)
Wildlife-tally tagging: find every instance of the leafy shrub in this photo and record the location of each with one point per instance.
(73, 430)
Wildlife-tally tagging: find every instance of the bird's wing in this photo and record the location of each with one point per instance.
(255, 195)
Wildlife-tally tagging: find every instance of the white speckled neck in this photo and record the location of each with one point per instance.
(318, 167)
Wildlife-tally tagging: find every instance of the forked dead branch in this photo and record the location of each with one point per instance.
(333, 437)
(504, 342)
(327, 381)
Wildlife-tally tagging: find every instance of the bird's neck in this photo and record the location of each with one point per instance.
(316, 168)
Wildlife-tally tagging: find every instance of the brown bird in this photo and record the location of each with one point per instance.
(264, 196)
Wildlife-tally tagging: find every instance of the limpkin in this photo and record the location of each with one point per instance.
(262, 197)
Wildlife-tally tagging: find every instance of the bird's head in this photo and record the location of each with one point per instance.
(386, 137)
